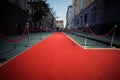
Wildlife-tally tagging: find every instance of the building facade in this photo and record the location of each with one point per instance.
(19, 3)
(13, 16)
(69, 17)
(49, 22)
(78, 7)
(59, 24)
(100, 15)
(46, 23)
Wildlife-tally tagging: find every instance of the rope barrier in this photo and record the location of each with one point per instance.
(81, 29)
(102, 36)
(14, 40)
(97, 36)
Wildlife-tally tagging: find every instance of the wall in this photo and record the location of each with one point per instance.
(10, 16)
(101, 15)
(69, 17)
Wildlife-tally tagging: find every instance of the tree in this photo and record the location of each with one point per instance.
(41, 8)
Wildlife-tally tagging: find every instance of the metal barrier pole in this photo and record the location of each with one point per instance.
(85, 44)
(74, 32)
(28, 35)
(113, 36)
(40, 31)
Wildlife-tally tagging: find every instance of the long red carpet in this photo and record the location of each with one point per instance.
(58, 58)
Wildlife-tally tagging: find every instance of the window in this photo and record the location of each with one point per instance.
(81, 19)
(77, 21)
(93, 14)
(85, 18)
(81, 4)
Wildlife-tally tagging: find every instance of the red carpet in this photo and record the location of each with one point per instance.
(58, 58)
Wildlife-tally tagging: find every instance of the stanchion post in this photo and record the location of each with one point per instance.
(40, 32)
(74, 31)
(28, 35)
(113, 36)
(86, 34)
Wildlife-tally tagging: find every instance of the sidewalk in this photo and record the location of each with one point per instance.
(105, 41)
(59, 58)
(10, 49)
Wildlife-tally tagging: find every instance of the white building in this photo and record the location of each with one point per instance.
(69, 17)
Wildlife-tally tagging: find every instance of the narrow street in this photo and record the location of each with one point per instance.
(60, 40)
(59, 58)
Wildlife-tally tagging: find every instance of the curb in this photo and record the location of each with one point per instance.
(105, 42)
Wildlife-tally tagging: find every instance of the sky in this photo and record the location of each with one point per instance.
(60, 7)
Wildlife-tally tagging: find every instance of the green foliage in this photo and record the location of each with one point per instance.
(41, 8)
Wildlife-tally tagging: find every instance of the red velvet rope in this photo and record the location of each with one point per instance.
(81, 29)
(102, 36)
(49, 29)
(12, 40)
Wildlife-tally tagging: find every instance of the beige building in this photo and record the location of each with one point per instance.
(79, 6)
(69, 17)
(76, 7)
(59, 24)
(86, 3)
